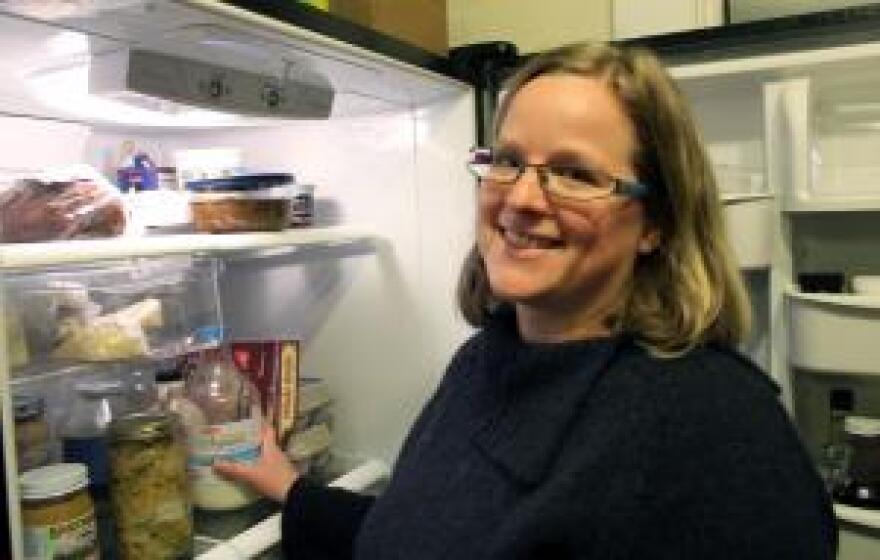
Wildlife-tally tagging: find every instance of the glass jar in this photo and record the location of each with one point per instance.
(32, 443)
(862, 477)
(149, 488)
(57, 514)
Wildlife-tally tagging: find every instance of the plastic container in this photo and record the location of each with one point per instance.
(866, 284)
(58, 516)
(224, 425)
(256, 202)
(149, 487)
(32, 436)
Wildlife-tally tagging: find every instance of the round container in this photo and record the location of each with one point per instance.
(256, 202)
(32, 443)
(57, 513)
(866, 285)
(148, 487)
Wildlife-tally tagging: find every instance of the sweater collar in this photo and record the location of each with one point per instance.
(533, 392)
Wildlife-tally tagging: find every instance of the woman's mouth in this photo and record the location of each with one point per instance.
(524, 240)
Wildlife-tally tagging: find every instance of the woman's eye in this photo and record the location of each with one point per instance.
(505, 160)
(580, 174)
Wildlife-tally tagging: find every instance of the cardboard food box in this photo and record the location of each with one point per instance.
(418, 22)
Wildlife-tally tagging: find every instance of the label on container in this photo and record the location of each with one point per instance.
(237, 442)
(76, 538)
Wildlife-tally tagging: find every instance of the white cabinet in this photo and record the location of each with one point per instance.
(636, 18)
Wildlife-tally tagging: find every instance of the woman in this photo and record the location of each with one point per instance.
(600, 411)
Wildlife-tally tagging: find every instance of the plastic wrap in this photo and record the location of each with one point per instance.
(67, 203)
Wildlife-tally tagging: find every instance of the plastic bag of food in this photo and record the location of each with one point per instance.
(67, 203)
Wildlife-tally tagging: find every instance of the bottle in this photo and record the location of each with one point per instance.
(833, 460)
(84, 433)
(225, 425)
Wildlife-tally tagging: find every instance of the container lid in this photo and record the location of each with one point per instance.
(28, 407)
(862, 426)
(53, 480)
(143, 426)
(274, 193)
(240, 183)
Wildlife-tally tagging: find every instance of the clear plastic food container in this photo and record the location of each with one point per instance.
(255, 202)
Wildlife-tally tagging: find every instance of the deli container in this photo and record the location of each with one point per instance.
(254, 202)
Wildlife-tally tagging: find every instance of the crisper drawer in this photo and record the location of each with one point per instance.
(835, 333)
(131, 310)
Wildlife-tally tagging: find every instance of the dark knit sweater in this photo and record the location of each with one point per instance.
(588, 449)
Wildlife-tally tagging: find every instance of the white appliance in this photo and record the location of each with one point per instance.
(369, 291)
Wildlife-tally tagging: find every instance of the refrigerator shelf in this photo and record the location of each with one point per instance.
(858, 516)
(267, 533)
(35, 255)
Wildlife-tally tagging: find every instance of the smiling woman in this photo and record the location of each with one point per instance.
(601, 410)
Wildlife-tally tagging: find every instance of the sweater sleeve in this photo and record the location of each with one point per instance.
(319, 522)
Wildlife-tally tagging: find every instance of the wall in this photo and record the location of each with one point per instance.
(533, 26)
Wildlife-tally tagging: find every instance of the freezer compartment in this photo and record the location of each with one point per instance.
(139, 309)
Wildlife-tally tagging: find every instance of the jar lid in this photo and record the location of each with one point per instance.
(53, 480)
(862, 425)
(143, 426)
(28, 407)
(250, 182)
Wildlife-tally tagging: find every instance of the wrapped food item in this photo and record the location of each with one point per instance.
(71, 203)
(114, 336)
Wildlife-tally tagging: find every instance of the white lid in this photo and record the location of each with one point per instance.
(862, 425)
(274, 193)
(53, 480)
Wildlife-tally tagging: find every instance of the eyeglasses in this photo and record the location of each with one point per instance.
(567, 181)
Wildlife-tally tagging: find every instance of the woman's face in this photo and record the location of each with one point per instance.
(548, 253)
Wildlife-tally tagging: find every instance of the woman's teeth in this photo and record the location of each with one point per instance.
(523, 240)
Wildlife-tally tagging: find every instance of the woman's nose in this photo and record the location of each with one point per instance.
(528, 190)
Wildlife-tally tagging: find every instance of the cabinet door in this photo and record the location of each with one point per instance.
(636, 18)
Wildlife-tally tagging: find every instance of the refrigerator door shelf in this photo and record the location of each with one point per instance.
(834, 333)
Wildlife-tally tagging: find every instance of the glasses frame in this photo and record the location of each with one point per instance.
(480, 165)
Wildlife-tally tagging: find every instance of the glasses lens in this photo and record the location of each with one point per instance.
(570, 187)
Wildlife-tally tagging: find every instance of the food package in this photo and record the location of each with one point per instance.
(273, 366)
(115, 336)
(68, 203)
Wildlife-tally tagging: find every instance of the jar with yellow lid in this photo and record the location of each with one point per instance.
(58, 516)
(149, 487)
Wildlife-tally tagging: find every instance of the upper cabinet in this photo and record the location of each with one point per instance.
(636, 18)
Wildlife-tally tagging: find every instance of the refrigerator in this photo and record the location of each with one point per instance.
(367, 290)
(382, 131)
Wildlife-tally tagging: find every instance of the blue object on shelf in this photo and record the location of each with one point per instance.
(249, 182)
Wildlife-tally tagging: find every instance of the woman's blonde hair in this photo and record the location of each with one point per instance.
(689, 289)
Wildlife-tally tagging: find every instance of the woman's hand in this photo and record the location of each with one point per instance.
(272, 475)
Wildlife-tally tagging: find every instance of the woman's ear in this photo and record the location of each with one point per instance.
(649, 241)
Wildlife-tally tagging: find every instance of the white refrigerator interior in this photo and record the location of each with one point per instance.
(369, 289)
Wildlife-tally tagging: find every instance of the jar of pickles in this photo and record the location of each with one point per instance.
(31, 432)
(148, 487)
